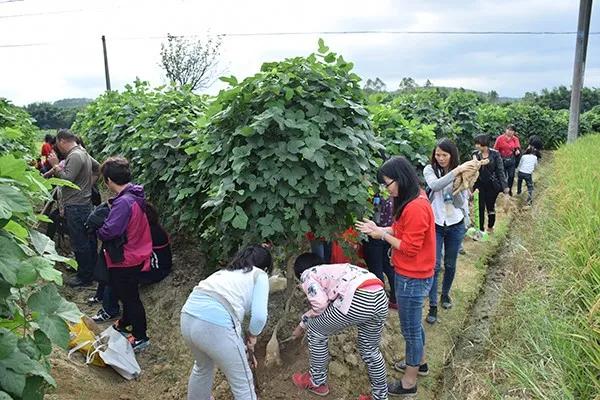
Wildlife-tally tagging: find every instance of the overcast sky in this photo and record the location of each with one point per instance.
(62, 56)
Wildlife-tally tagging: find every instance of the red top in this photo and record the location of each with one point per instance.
(416, 230)
(506, 146)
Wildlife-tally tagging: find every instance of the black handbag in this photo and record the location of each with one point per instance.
(101, 269)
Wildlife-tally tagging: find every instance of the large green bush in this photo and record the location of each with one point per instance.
(290, 150)
(151, 128)
(17, 132)
(400, 136)
(32, 313)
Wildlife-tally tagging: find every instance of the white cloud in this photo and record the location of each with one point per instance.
(71, 65)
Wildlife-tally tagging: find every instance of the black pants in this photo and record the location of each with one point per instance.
(529, 181)
(487, 201)
(84, 246)
(125, 283)
(510, 166)
(378, 262)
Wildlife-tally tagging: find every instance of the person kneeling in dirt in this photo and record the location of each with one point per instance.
(341, 295)
(211, 322)
(127, 217)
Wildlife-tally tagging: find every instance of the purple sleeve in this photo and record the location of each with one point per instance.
(116, 223)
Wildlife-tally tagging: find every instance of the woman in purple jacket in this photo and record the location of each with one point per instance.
(127, 217)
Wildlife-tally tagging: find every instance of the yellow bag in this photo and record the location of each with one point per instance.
(82, 339)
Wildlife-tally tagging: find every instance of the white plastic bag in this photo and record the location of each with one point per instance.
(117, 352)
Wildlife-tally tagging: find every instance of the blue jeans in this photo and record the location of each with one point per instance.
(448, 240)
(84, 246)
(410, 295)
(378, 262)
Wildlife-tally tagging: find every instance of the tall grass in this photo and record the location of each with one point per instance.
(554, 347)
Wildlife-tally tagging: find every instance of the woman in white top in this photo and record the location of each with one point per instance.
(527, 165)
(451, 214)
(211, 322)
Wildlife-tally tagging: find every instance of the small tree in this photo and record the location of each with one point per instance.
(407, 84)
(288, 151)
(190, 63)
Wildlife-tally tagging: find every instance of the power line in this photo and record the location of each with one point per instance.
(37, 14)
(324, 33)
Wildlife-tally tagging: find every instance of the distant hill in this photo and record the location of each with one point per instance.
(72, 103)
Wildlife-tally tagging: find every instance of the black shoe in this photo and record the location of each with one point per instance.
(78, 282)
(432, 316)
(395, 388)
(400, 366)
(446, 302)
(462, 251)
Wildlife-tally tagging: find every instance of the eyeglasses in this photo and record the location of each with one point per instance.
(387, 185)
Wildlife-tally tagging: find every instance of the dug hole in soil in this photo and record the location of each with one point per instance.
(167, 362)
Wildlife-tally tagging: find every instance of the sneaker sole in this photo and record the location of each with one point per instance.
(141, 347)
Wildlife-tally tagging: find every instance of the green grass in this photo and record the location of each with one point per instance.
(554, 325)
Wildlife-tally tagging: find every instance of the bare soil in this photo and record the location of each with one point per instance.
(166, 364)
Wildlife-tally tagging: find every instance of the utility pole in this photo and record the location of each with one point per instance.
(583, 31)
(106, 74)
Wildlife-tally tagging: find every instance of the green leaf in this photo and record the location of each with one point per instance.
(16, 229)
(62, 182)
(42, 243)
(322, 48)
(42, 342)
(43, 218)
(12, 382)
(241, 219)
(55, 328)
(228, 214)
(26, 275)
(53, 310)
(232, 80)
(34, 388)
(10, 259)
(5, 396)
(28, 346)
(21, 364)
(13, 199)
(8, 343)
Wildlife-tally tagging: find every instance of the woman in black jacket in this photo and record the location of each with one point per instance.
(491, 181)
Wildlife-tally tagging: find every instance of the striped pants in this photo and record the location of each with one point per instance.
(368, 312)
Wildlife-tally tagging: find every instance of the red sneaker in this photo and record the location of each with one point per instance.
(304, 381)
(365, 397)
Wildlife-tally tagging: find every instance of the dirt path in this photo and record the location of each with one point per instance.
(166, 363)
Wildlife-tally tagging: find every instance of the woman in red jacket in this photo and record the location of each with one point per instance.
(412, 239)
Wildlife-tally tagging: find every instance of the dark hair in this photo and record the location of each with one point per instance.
(57, 151)
(448, 146)
(65, 134)
(403, 173)
(79, 141)
(305, 261)
(252, 256)
(536, 141)
(533, 150)
(511, 127)
(482, 140)
(152, 214)
(117, 169)
(49, 139)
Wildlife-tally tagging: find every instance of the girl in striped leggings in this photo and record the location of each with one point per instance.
(341, 295)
